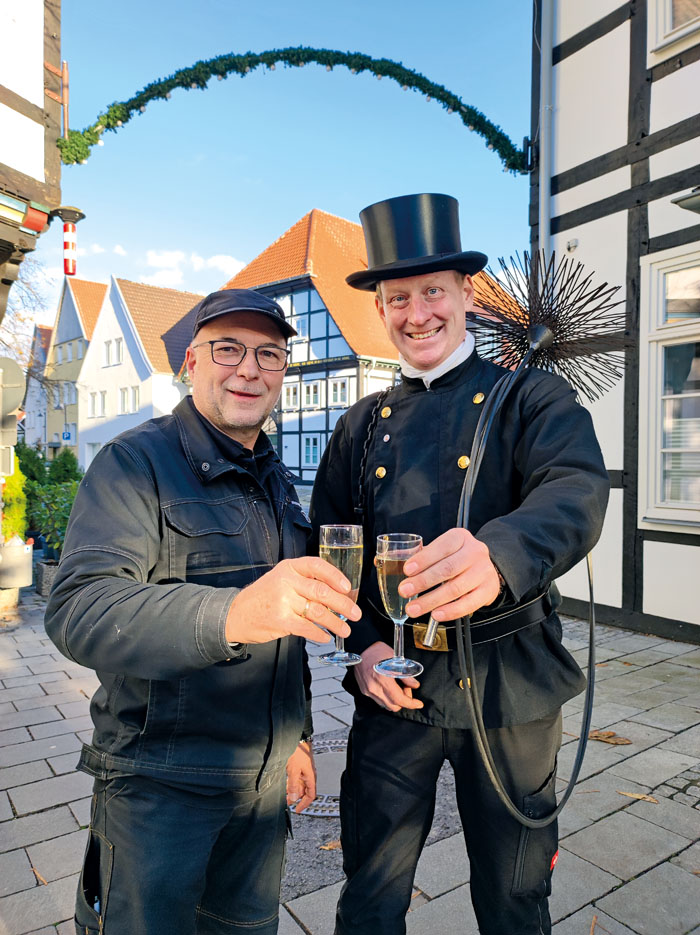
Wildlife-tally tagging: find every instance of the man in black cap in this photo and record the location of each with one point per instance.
(396, 463)
(184, 583)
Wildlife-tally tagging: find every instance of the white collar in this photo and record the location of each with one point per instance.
(458, 356)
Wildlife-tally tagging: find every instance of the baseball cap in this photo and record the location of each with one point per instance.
(239, 300)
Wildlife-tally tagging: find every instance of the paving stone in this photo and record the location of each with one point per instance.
(66, 928)
(15, 873)
(652, 697)
(664, 900)
(47, 930)
(5, 807)
(632, 644)
(581, 923)
(316, 911)
(27, 680)
(593, 799)
(624, 845)
(645, 657)
(81, 811)
(287, 925)
(319, 670)
(443, 866)
(608, 713)
(54, 728)
(689, 859)
(324, 722)
(13, 669)
(49, 792)
(40, 906)
(16, 735)
(674, 673)
(85, 736)
(63, 764)
(49, 664)
(74, 709)
(452, 912)
(33, 716)
(652, 767)
(38, 749)
(344, 713)
(21, 832)
(674, 648)
(677, 783)
(26, 691)
(687, 742)
(671, 815)
(43, 700)
(642, 736)
(325, 687)
(576, 882)
(59, 857)
(326, 702)
(6, 709)
(692, 700)
(665, 791)
(684, 799)
(24, 773)
(689, 659)
(674, 717)
(28, 650)
(599, 756)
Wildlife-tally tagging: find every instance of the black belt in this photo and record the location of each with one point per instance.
(492, 628)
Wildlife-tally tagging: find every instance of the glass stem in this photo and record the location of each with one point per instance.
(398, 639)
(340, 640)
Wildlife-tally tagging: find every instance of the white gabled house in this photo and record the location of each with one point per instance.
(35, 398)
(132, 367)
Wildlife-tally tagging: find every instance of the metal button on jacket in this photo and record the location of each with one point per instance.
(463, 461)
(386, 412)
(386, 438)
(380, 472)
(205, 466)
(478, 398)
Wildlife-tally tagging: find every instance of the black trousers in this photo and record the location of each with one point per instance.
(387, 804)
(166, 861)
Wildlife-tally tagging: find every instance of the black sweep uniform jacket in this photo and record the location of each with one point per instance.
(164, 533)
(538, 504)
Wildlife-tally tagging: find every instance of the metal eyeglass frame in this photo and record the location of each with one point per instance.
(246, 348)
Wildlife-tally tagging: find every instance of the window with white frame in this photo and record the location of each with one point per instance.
(671, 21)
(291, 396)
(103, 403)
(79, 348)
(118, 350)
(107, 354)
(338, 392)
(312, 450)
(669, 462)
(59, 354)
(57, 396)
(123, 401)
(92, 406)
(70, 395)
(135, 398)
(69, 351)
(312, 394)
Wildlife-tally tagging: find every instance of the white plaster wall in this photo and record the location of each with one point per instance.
(571, 17)
(607, 562)
(590, 92)
(675, 97)
(665, 217)
(602, 248)
(671, 581)
(290, 421)
(290, 451)
(21, 143)
(608, 420)
(677, 158)
(22, 51)
(612, 183)
(166, 393)
(68, 327)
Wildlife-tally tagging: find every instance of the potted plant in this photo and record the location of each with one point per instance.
(53, 513)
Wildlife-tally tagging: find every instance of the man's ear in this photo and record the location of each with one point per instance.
(468, 291)
(380, 308)
(190, 362)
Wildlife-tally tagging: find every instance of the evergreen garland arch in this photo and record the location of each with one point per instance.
(77, 146)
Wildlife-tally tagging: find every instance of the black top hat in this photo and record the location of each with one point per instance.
(412, 235)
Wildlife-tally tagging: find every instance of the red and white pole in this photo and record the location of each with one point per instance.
(70, 249)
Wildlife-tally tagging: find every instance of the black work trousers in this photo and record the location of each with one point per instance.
(167, 861)
(387, 804)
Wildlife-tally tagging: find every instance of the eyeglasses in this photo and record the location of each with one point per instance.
(232, 353)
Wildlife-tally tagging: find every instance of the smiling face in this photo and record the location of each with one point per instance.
(236, 400)
(425, 315)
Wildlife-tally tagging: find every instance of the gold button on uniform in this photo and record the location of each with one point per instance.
(478, 398)
(386, 412)
(463, 461)
(380, 472)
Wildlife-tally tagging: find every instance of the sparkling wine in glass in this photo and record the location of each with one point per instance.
(342, 547)
(393, 550)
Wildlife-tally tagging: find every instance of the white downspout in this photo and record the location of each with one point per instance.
(545, 154)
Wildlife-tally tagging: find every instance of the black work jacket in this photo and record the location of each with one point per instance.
(539, 504)
(164, 533)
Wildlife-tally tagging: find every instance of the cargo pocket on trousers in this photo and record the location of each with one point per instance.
(93, 886)
(537, 848)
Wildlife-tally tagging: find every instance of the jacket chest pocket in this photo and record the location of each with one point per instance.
(214, 543)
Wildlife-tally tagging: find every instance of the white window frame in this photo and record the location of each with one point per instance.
(123, 401)
(79, 349)
(336, 388)
(655, 336)
(135, 398)
(59, 354)
(118, 350)
(107, 354)
(102, 411)
(662, 40)
(69, 352)
(291, 397)
(92, 406)
(311, 446)
(308, 393)
(57, 396)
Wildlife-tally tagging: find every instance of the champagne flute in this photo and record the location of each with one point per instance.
(342, 547)
(393, 549)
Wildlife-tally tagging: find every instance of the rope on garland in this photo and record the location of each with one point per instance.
(77, 146)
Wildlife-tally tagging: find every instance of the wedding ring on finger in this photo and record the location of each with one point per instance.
(305, 611)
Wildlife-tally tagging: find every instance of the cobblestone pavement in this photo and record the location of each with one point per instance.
(630, 834)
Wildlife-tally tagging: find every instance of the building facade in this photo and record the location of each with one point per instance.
(616, 117)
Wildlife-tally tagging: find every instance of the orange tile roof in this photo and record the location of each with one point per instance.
(163, 321)
(88, 299)
(326, 248)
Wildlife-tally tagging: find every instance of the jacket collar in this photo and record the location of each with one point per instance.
(459, 374)
(203, 454)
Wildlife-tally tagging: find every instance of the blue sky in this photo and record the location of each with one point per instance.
(187, 192)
